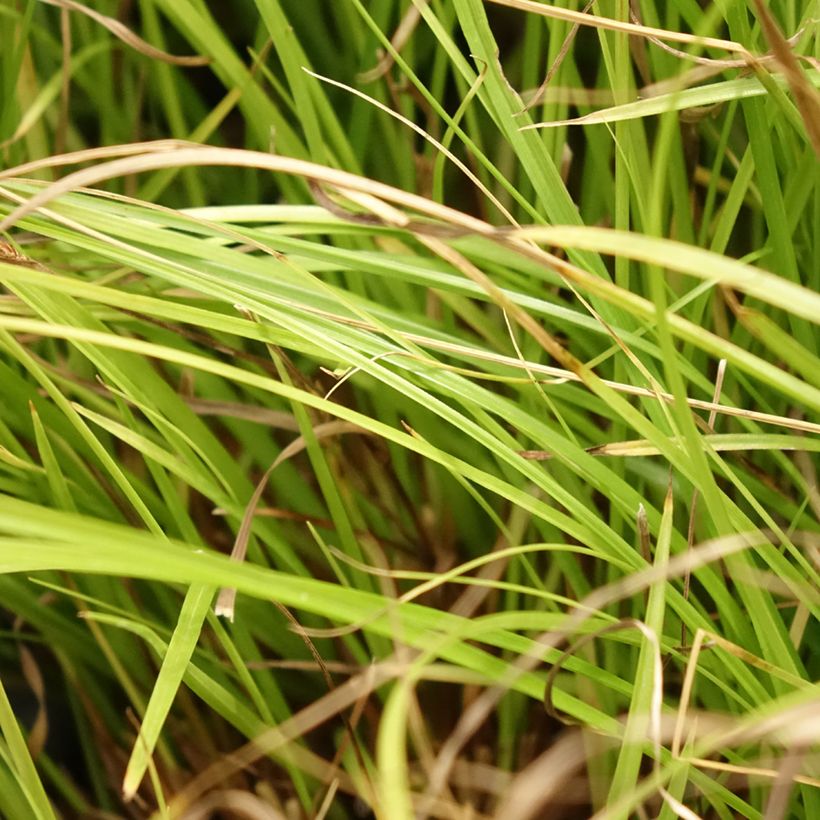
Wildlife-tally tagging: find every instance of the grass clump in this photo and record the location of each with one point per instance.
(387, 430)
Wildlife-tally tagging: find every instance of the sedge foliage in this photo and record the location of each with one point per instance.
(509, 390)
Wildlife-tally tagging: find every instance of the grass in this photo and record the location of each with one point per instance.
(486, 418)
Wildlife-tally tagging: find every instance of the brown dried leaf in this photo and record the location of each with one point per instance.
(122, 32)
(806, 97)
